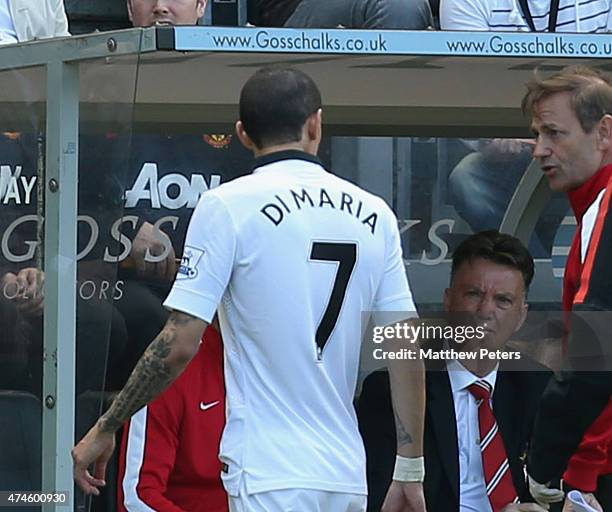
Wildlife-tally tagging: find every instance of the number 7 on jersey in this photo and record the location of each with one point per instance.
(345, 253)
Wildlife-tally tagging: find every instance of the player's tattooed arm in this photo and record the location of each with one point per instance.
(403, 436)
(165, 358)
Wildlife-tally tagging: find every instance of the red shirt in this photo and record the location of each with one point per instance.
(169, 452)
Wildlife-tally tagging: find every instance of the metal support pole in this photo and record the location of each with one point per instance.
(61, 179)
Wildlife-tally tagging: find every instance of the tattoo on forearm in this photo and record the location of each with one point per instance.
(403, 436)
(177, 318)
(150, 377)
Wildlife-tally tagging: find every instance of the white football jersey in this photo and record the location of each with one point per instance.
(291, 256)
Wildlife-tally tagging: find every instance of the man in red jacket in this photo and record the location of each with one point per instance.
(169, 454)
(572, 119)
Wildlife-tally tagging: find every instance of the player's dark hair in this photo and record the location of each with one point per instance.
(275, 103)
(497, 247)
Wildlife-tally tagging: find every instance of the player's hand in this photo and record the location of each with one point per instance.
(404, 497)
(568, 506)
(152, 253)
(543, 494)
(96, 447)
(523, 507)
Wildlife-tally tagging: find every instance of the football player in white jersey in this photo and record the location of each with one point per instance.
(291, 257)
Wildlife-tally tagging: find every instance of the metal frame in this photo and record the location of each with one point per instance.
(59, 334)
(68, 49)
(61, 58)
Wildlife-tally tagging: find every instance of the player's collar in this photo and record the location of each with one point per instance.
(290, 154)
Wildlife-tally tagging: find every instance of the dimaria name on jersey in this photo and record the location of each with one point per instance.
(279, 208)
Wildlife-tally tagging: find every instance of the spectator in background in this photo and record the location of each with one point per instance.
(144, 13)
(507, 15)
(25, 20)
(21, 342)
(169, 455)
(490, 173)
(18, 301)
(490, 276)
(368, 14)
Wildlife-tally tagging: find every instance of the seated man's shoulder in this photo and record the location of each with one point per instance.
(524, 364)
(527, 374)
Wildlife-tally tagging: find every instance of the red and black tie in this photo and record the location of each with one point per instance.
(498, 477)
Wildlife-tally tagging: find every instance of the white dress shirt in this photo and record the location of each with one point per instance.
(8, 34)
(472, 487)
(36, 19)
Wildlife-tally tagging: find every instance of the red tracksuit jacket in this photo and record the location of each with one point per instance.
(169, 452)
(593, 457)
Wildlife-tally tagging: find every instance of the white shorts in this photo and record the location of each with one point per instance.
(297, 500)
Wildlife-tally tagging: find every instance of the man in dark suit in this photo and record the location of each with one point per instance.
(490, 276)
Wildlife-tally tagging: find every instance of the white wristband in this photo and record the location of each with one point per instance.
(409, 469)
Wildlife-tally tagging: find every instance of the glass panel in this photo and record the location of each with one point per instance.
(105, 138)
(443, 190)
(22, 156)
(106, 331)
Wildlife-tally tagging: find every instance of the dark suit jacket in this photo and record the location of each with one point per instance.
(515, 402)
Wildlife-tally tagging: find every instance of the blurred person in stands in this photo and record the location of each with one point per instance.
(21, 342)
(571, 117)
(367, 14)
(491, 173)
(526, 15)
(145, 13)
(25, 20)
(19, 298)
(490, 277)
